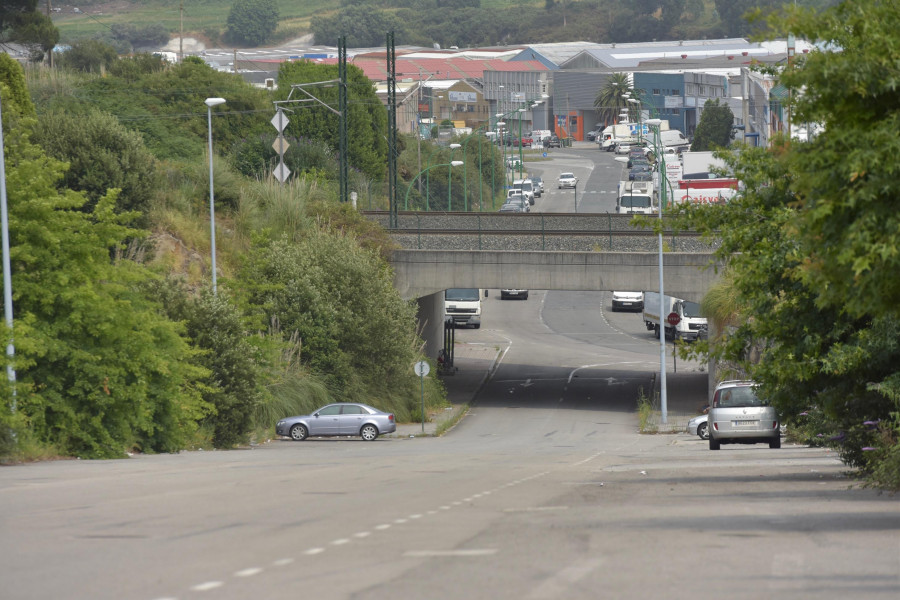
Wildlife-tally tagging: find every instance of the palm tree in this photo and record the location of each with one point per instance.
(610, 99)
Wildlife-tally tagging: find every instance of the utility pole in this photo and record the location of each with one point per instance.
(181, 33)
(49, 58)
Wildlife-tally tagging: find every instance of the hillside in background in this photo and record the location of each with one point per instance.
(462, 23)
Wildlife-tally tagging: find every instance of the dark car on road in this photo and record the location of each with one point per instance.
(554, 142)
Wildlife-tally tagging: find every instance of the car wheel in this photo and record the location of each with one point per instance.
(526, 295)
(478, 326)
(368, 432)
(713, 443)
(703, 431)
(775, 442)
(299, 432)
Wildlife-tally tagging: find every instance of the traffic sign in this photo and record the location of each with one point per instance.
(281, 172)
(280, 145)
(279, 121)
(673, 319)
(422, 368)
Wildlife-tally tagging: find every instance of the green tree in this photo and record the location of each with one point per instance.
(88, 55)
(363, 27)
(100, 371)
(16, 99)
(812, 243)
(611, 99)
(251, 22)
(366, 121)
(225, 349)
(21, 22)
(715, 127)
(354, 328)
(102, 155)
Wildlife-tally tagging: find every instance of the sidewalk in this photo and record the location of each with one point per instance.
(473, 364)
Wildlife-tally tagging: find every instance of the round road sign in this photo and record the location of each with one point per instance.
(673, 319)
(422, 368)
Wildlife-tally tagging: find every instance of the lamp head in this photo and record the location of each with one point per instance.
(456, 163)
(501, 123)
(454, 146)
(634, 100)
(653, 122)
(210, 102)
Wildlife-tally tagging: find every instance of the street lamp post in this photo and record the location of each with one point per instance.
(663, 402)
(451, 164)
(210, 102)
(450, 178)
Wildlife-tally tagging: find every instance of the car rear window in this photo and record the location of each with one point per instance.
(737, 397)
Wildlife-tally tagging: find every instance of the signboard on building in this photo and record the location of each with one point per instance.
(674, 102)
(463, 97)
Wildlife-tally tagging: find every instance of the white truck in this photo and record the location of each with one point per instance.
(636, 197)
(625, 133)
(670, 138)
(689, 325)
(463, 305)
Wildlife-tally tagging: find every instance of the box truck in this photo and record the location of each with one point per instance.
(680, 318)
(463, 306)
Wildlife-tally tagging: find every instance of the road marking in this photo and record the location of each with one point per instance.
(382, 527)
(283, 562)
(362, 534)
(399, 521)
(340, 542)
(205, 587)
(432, 553)
(314, 551)
(535, 508)
(248, 572)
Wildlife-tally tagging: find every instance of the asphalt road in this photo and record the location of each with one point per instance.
(545, 490)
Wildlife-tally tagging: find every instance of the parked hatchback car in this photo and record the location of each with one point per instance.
(739, 416)
(553, 142)
(342, 418)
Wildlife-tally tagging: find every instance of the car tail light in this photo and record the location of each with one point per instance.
(774, 424)
(390, 417)
(715, 426)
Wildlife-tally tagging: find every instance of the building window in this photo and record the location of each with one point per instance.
(656, 92)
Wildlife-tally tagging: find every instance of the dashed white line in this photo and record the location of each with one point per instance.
(282, 562)
(382, 527)
(248, 572)
(313, 551)
(362, 534)
(205, 587)
(340, 542)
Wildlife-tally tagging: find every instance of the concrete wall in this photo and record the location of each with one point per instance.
(419, 273)
(431, 322)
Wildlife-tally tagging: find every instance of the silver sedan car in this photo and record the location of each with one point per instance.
(342, 418)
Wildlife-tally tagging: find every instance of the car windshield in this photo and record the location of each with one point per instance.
(461, 294)
(636, 201)
(738, 397)
(567, 176)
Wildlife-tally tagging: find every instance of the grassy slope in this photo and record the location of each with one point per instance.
(202, 15)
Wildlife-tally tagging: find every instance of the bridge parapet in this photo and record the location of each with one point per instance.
(419, 273)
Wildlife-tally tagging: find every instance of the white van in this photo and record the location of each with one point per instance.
(526, 188)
